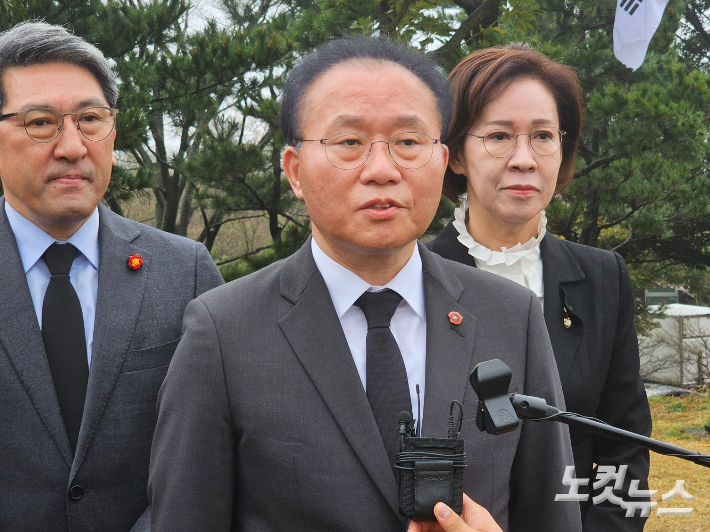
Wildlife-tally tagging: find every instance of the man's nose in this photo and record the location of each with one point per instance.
(380, 167)
(71, 144)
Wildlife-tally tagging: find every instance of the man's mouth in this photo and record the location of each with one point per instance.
(381, 204)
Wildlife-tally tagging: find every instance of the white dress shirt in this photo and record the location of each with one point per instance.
(408, 324)
(84, 275)
(522, 263)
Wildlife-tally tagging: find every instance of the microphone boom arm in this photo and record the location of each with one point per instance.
(491, 381)
(537, 409)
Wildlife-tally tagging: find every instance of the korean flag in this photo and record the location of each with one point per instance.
(635, 23)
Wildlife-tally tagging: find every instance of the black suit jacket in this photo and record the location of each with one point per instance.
(597, 359)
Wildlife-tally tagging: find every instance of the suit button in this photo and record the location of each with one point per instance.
(76, 492)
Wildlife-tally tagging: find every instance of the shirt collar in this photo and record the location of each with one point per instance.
(33, 241)
(345, 287)
(527, 252)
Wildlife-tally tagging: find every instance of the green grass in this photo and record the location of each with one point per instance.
(676, 407)
(670, 416)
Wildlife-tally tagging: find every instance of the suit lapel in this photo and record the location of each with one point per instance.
(21, 339)
(449, 347)
(313, 329)
(560, 271)
(120, 294)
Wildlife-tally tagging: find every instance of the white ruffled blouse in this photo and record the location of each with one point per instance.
(521, 263)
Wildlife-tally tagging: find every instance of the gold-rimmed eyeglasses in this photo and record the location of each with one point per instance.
(502, 142)
(44, 124)
(348, 151)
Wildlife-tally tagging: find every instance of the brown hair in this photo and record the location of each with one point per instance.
(482, 76)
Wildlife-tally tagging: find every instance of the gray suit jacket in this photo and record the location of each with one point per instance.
(264, 424)
(138, 324)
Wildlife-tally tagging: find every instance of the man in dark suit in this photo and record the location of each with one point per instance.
(277, 410)
(92, 303)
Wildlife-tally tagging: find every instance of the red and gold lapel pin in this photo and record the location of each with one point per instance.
(135, 262)
(455, 318)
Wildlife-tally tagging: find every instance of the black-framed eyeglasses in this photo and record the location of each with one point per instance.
(502, 142)
(348, 151)
(44, 124)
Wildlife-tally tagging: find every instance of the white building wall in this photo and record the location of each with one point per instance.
(662, 351)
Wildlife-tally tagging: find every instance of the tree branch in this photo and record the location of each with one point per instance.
(682, 252)
(252, 252)
(691, 15)
(487, 9)
(597, 24)
(604, 161)
(623, 218)
(401, 13)
(469, 6)
(587, 152)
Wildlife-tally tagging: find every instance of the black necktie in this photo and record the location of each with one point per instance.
(387, 385)
(64, 340)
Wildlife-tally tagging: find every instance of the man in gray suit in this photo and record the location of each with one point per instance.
(269, 417)
(85, 341)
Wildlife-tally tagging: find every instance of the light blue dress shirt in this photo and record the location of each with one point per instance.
(84, 275)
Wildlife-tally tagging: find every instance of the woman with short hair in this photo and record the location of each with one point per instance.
(513, 141)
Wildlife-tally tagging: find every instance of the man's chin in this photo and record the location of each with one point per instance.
(383, 246)
(65, 215)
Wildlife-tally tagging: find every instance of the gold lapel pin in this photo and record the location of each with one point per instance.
(567, 321)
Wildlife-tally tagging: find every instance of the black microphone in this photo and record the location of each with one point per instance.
(491, 380)
(404, 422)
(529, 407)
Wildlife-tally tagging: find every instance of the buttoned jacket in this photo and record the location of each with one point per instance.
(102, 487)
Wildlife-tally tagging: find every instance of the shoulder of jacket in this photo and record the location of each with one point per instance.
(588, 254)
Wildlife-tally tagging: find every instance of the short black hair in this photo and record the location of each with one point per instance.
(353, 49)
(37, 43)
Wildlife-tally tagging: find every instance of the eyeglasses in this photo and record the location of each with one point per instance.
(502, 142)
(44, 124)
(348, 151)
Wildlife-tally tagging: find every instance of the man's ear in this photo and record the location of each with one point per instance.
(446, 155)
(113, 158)
(289, 163)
